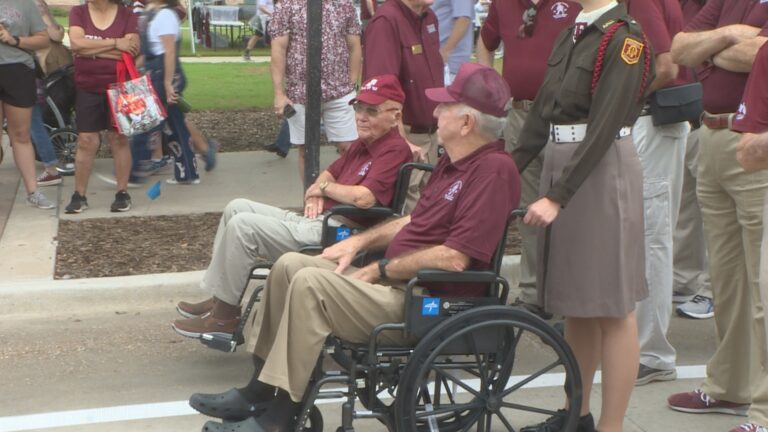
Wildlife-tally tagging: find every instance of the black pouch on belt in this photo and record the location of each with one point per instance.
(676, 104)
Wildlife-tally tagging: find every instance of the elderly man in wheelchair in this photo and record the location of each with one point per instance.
(363, 176)
(455, 226)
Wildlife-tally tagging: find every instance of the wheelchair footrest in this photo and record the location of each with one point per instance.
(219, 342)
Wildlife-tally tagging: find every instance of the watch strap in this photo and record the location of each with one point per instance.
(383, 267)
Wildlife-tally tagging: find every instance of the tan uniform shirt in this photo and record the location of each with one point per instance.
(566, 96)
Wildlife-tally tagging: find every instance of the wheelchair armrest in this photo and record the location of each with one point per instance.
(350, 210)
(435, 275)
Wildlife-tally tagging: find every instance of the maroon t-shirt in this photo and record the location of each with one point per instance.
(95, 74)
(373, 165)
(525, 59)
(752, 116)
(464, 206)
(722, 88)
(661, 20)
(399, 42)
(690, 9)
(366, 14)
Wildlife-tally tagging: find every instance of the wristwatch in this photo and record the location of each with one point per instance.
(383, 267)
(322, 186)
(18, 41)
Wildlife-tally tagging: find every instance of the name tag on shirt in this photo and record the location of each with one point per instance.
(431, 28)
(417, 49)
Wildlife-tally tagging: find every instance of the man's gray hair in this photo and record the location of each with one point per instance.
(488, 125)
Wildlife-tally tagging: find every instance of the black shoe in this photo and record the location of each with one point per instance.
(122, 202)
(273, 148)
(77, 204)
(230, 405)
(556, 423)
(248, 425)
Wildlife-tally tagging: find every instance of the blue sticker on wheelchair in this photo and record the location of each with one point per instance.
(430, 306)
(343, 232)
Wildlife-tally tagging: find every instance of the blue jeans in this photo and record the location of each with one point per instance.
(41, 139)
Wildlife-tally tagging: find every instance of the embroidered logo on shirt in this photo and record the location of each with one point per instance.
(578, 29)
(453, 190)
(742, 112)
(631, 51)
(364, 170)
(560, 10)
(431, 28)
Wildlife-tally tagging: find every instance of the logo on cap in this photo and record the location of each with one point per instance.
(370, 85)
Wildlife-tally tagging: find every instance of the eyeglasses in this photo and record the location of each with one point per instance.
(372, 111)
(529, 21)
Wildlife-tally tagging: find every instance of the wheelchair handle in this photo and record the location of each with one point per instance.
(520, 212)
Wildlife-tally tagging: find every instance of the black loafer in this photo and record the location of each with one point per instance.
(248, 425)
(557, 422)
(230, 405)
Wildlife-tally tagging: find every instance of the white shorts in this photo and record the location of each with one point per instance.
(338, 117)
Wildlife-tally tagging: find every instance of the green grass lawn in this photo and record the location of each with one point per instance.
(213, 86)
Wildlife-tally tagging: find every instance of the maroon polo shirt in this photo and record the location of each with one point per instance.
(464, 206)
(373, 165)
(722, 88)
(661, 20)
(399, 42)
(690, 9)
(525, 59)
(752, 116)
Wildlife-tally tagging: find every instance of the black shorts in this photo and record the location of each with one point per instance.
(92, 111)
(17, 85)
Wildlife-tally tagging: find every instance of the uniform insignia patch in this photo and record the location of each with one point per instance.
(631, 51)
(608, 23)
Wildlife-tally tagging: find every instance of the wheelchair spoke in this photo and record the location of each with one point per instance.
(448, 391)
(509, 360)
(459, 382)
(482, 366)
(473, 420)
(527, 408)
(505, 421)
(531, 377)
(450, 409)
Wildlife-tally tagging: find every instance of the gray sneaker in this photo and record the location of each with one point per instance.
(700, 307)
(647, 375)
(39, 200)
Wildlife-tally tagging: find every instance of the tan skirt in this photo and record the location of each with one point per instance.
(592, 257)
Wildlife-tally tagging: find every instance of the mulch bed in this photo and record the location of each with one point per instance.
(146, 245)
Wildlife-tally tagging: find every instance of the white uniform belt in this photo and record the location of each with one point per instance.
(563, 134)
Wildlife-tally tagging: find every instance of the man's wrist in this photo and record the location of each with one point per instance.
(383, 268)
(17, 41)
(323, 185)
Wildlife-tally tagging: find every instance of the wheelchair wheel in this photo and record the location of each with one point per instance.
(313, 423)
(64, 142)
(487, 366)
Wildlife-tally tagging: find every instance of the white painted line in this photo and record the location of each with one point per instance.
(182, 408)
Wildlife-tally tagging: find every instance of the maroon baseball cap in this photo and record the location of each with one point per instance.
(380, 89)
(478, 86)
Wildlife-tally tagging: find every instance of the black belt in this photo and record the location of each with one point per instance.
(423, 129)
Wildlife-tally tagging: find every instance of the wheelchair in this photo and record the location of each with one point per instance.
(470, 364)
(59, 117)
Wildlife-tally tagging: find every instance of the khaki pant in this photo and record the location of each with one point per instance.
(732, 211)
(428, 144)
(529, 193)
(690, 250)
(249, 230)
(305, 301)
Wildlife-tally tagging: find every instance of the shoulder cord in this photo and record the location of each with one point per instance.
(601, 59)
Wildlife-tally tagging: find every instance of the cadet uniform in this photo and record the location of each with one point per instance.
(525, 63)
(464, 206)
(592, 255)
(399, 42)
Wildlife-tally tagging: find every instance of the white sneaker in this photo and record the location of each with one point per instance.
(173, 181)
(700, 307)
(39, 200)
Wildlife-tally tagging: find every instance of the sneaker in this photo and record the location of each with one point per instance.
(647, 375)
(207, 324)
(48, 179)
(122, 202)
(210, 155)
(749, 427)
(557, 422)
(700, 307)
(194, 310)
(77, 204)
(152, 167)
(679, 297)
(173, 181)
(247, 55)
(39, 200)
(698, 402)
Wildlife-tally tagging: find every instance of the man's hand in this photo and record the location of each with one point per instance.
(417, 152)
(313, 191)
(752, 151)
(369, 273)
(313, 207)
(445, 53)
(280, 102)
(342, 253)
(6, 37)
(542, 213)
